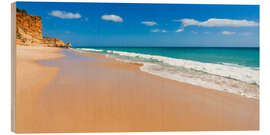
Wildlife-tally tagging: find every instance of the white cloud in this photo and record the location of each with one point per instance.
(180, 30)
(213, 22)
(187, 22)
(64, 15)
(164, 31)
(114, 18)
(155, 30)
(227, 33)
(158, 30)
(149, 23)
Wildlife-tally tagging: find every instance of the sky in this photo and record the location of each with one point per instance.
(154, 25)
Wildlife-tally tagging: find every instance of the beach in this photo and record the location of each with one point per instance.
(61, 90)
(31, 78)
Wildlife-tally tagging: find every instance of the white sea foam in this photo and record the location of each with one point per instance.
(234, 71)
(227, 77)
(90, 49)
(204, 80)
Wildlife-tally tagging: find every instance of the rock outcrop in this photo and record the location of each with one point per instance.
(29, 32)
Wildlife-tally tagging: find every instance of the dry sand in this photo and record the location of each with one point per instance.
(31, 78)
(93, 93)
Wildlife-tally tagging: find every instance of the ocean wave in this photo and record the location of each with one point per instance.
(204, 80)
(226, 77)
(90, 49)
(233, 71)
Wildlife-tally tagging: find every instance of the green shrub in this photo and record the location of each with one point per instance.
(23, 11)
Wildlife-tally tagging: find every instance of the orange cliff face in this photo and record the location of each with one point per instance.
(29, 32)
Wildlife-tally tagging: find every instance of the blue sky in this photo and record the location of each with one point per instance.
(115, 24)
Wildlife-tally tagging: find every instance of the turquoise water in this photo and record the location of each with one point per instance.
(241, 56)
(234, 70)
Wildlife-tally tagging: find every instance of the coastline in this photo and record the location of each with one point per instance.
(221, 77)
(31, 78)
(131, 100)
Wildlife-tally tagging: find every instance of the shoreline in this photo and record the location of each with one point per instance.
(143, 66)
(132, 100)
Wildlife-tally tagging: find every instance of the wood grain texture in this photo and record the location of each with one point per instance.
(13, 66)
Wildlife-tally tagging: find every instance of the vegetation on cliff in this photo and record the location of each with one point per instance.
(23, 11)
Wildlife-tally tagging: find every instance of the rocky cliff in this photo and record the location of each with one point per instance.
(29, 32)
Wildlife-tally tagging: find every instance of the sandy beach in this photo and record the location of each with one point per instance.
(31, 79)
(59, 90)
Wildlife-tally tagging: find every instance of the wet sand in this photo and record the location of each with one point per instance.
(92, 93)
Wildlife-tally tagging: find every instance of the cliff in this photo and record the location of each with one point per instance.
(29, 32)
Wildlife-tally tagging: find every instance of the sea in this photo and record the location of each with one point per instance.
(234, 70)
